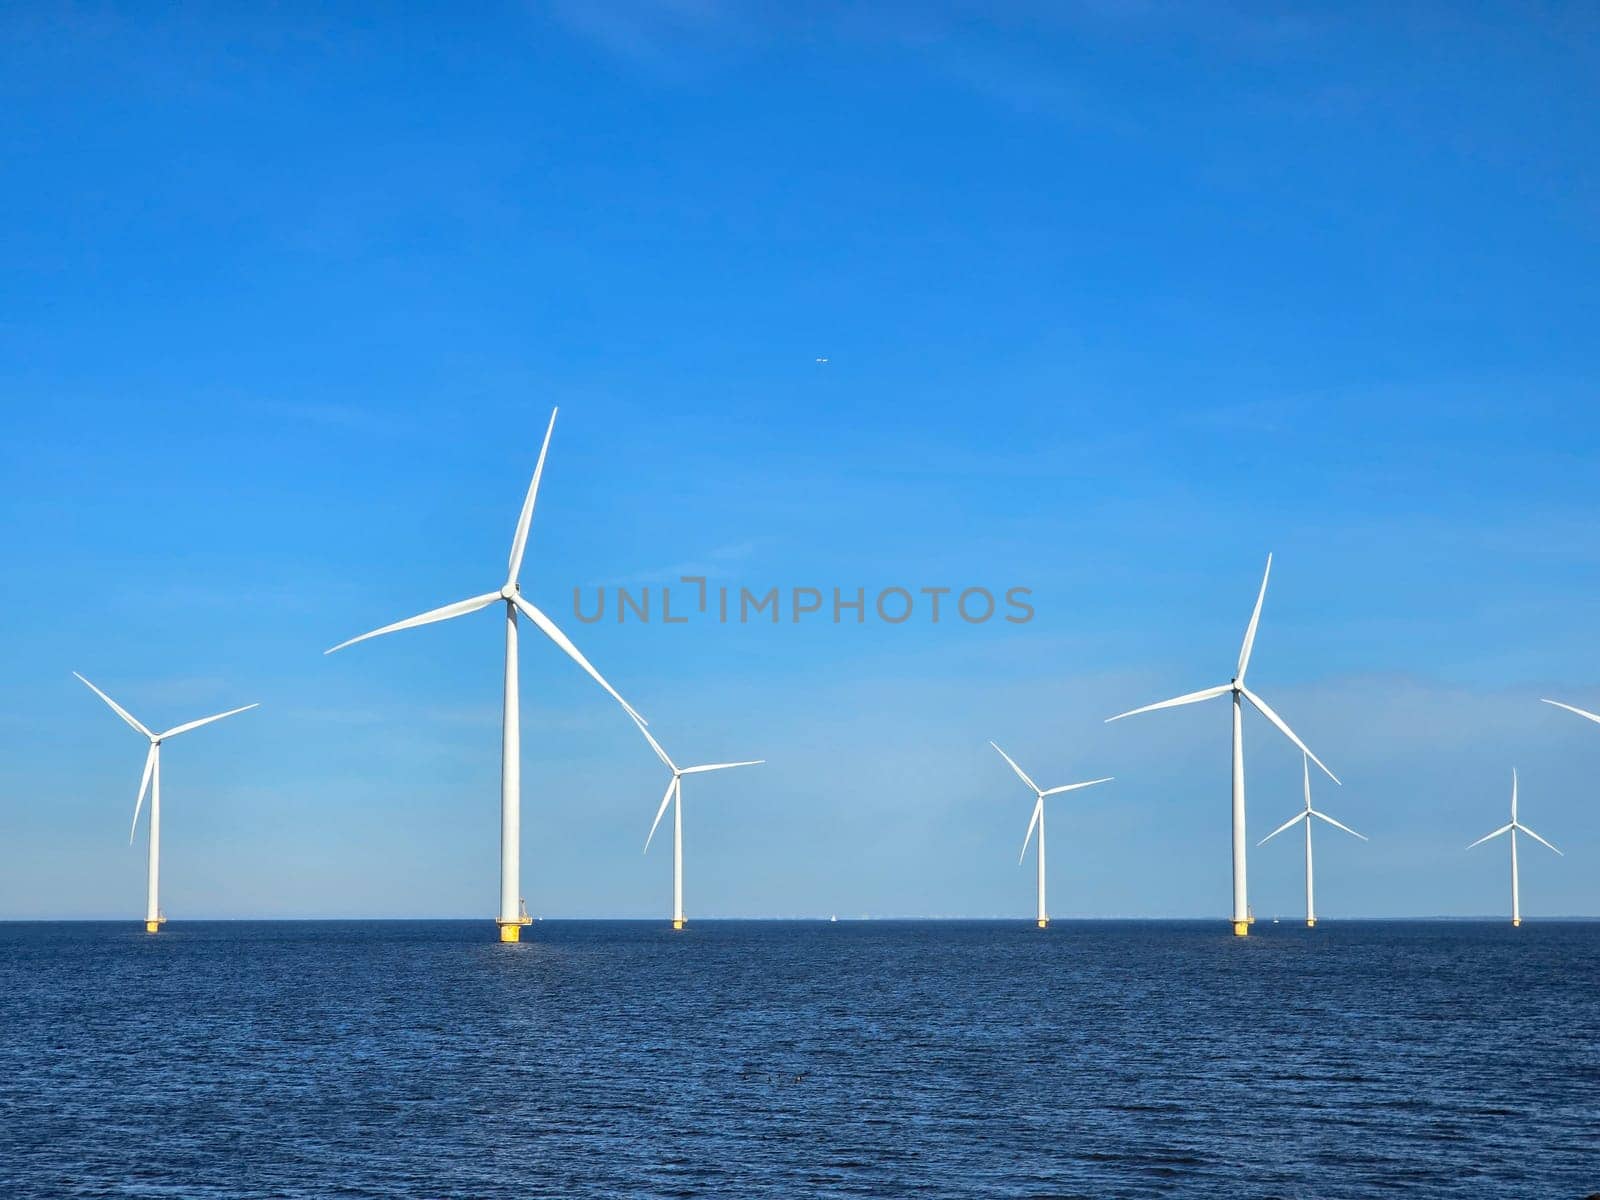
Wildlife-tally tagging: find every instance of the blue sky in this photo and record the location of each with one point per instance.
(1115, 298)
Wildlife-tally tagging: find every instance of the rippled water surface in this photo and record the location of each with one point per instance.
(319, 1059)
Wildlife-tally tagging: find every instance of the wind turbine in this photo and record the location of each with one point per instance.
(1311, 903)
(153, 919)
(674, 796)
(512, 917)
(1241, 902)
(1513, 828)
(1038, 819)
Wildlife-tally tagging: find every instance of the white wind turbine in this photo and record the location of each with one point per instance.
(1513, 829)
(674, 796)
(1038, 820)
(1241, 902)
(152, 779)
(512, 917)
(1306, 815)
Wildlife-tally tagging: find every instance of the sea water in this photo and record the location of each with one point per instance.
(792, 1059)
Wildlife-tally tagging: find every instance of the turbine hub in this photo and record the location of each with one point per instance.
(509, 591)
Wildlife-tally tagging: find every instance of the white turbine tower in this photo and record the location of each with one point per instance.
(674, 796)
(1241, 901)
(512, 917)
(1038, 820)
(1306, 815)
(152, 779)
(1513, 829)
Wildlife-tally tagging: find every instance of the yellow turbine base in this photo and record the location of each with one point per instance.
(1044, 922)
(1311, 922)
(1516, 922)
(678, 923)
(152, 926)
(1241, 929)
(511, 931)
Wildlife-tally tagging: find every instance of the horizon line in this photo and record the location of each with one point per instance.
(825, 919)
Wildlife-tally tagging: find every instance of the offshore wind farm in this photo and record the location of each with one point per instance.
(513, 915)
(847, 386)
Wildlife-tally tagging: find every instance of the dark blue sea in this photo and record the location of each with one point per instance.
(1099, 1059)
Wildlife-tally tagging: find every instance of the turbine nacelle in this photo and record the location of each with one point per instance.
(1039, 795)
(511, 593)
(675, 785)
(155, 741)
(1514, 825)
(1236, 686)
(1306, 813)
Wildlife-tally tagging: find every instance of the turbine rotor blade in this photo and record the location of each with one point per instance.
(1255, 620)
(459, 609)
(1072, 787)
(1038, 811)
(149, 766)
(185, 728)
(519, 540)
(1305, 769)
(1513, 795)
(656, 746)
(1486, 837)
(1265, 710)
(115, 707)
(1191, 698)
(555, 635)
(665, 800)
(1537, 838)
(721, 766)
(1324, 816)
(1570, 709)
(1299, 816)
(1021, 774)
